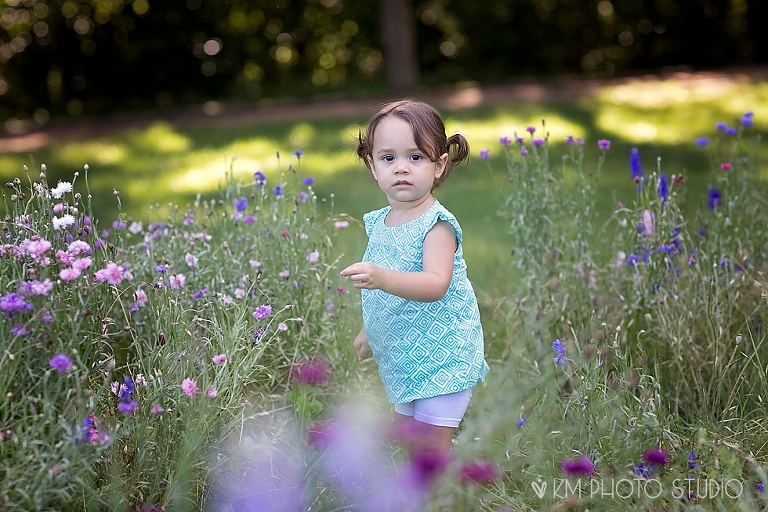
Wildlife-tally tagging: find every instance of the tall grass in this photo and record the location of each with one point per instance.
(199, 357)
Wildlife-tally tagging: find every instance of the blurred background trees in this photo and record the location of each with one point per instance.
(73, 57)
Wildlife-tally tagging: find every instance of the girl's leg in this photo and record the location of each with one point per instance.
(430, 423)
(418, 436)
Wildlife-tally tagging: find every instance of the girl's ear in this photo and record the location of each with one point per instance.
(440, 165)
(370, 166)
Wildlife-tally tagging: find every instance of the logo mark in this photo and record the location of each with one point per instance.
(539, 487)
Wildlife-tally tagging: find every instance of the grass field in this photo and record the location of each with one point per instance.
(653, 303)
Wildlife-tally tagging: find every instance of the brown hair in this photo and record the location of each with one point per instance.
(428, 133)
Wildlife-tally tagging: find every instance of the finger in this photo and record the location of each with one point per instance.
(349, 270)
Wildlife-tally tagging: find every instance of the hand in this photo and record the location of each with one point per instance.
(362, 348)
(363, 275)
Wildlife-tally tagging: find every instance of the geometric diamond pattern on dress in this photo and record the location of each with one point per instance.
(423, 349)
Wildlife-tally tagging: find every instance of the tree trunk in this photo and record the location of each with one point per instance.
(399, 43)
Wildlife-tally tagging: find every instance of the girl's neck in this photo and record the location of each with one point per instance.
(406, 212)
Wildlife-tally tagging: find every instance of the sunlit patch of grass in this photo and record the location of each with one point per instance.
(160, 138)
(97, 152)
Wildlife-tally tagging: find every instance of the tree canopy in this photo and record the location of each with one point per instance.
(67, 57)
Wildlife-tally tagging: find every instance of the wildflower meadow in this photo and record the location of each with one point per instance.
(203, 360)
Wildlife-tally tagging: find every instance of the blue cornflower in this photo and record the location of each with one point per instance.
(260, 178)
(635, 167)
(521, 422)
(632, 260)
(702, 142)
(127, 405)
(298, 154)
(162, 268)
(746, 119)
(129, 384)
(730, 131)
(663, 188)
(760, 487)
(644, 470)
(241, 204)
(559, 348)
(721, 126)
(714, 198)
(692, 464)
(278, 190)
(309, 180)
(202, 292)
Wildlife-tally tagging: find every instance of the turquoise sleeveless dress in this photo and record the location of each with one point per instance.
(423, 349)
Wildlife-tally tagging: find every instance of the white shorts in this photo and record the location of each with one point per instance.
(442, 410)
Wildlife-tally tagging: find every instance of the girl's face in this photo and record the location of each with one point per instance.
(404, 173)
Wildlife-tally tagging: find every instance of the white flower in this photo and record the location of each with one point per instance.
(135, 227)
(63, 221)
(62, 188)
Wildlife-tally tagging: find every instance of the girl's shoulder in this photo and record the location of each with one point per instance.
(439, 212)
(370, 219)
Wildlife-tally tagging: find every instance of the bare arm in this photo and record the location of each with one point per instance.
(360, 343)
(429, 285)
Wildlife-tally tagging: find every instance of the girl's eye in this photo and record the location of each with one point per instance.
(416, 157)
(388, 158)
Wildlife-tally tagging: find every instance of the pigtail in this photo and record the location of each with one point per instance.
(457, 148)
(363, 150)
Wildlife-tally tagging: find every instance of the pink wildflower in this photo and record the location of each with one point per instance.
(112, 273)
(189, 387)
(82, 263)
(220, 359)
(69, 274)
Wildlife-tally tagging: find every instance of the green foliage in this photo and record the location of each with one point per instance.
(173, 330)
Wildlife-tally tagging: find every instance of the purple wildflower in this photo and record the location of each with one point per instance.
(663, 190)
(199, 294)
(505, 141)
(480, 471)
(570, 140)
(262, 312)
(241, 204)
(714, 198)
(531, 129)
(635, 167)
(578, 467)
(13, 303)
(428, 464)
(312, 371)
(308, 181)
(60, 362)
(604, 144)
(656, 456)
(537, 142)
(260, 178)
(521, 422)
(485, 154)
(559, 348)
